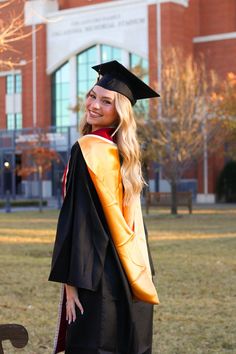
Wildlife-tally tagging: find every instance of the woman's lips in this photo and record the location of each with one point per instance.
(94, 114)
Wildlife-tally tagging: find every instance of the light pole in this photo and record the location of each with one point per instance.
(159, 67)
(7, 185)
(13, 98)
(40, 175)
(16, 108)
(205, 162)
(34, 74)
(159, 60)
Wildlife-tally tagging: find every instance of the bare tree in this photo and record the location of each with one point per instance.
(12, 30)
(187, 122)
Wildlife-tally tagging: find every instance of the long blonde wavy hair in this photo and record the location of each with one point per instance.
(128, 147)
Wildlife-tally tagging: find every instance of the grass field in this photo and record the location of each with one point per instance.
(195, 258)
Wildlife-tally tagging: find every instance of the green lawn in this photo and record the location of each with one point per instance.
(196, 280)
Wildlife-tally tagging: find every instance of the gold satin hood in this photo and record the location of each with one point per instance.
(125, 223)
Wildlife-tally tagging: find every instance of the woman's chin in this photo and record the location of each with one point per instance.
(92, 121)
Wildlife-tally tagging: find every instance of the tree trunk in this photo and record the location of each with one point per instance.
(174, 207)
(146, 187)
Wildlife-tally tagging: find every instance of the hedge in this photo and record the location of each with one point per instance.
(22, 203)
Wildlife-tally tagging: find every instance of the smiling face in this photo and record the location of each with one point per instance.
(100, 108)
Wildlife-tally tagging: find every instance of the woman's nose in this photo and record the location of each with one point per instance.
(95, 104)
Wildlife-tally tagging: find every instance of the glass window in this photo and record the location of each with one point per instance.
(18, 120)
(14, 121)
(64, 108)
(14, 83)
(61, 96)
(139, 66)
(10, 121)
(18, 83)
(116, 54)
(64, 73)
(82, 72)
(10, 84)
(64, 92)
(110, 53)
(92, 55)
(87, 77)
(106, 53)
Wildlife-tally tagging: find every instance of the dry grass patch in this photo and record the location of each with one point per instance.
(196, 266)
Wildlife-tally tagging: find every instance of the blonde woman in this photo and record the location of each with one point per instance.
(101, 253)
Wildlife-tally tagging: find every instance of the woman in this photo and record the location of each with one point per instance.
(101, 253)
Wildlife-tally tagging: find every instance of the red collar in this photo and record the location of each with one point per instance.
(105, 133)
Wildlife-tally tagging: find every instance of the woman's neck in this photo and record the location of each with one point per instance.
(105, 133)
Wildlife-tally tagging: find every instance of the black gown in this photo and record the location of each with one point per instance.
(84, 256)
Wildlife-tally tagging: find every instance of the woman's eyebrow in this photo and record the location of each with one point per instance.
(103, 97)
(107, 98)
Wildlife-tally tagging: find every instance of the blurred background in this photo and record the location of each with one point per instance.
(47, 50)
(185, 49)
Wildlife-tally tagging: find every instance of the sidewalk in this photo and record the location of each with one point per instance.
(52, 204)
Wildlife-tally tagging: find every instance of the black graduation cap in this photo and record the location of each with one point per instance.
(115, 77)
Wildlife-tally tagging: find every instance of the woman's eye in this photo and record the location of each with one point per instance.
(107, 102)
(92, 95)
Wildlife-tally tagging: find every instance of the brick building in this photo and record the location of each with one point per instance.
(69, 36)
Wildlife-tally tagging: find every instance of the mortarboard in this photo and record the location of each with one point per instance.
(115, 77)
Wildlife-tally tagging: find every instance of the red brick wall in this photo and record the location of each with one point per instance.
(217, 16)
(43, 82)
(152, 45)
(215, 166)
(27, 92)
(223, 52)
(23, 51)
(180, 25)
(66, 4)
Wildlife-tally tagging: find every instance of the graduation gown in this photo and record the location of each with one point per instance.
(86, 256)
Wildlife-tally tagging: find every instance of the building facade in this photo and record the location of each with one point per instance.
(69, 36)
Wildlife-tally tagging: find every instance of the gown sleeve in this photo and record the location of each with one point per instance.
(82, 235)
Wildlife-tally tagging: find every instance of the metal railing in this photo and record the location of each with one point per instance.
(13, 142)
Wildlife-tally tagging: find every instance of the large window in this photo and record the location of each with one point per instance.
(85, 60)
(85, 78)
(139, 66)
(14, 121)
(60, 96)
(110, 53)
